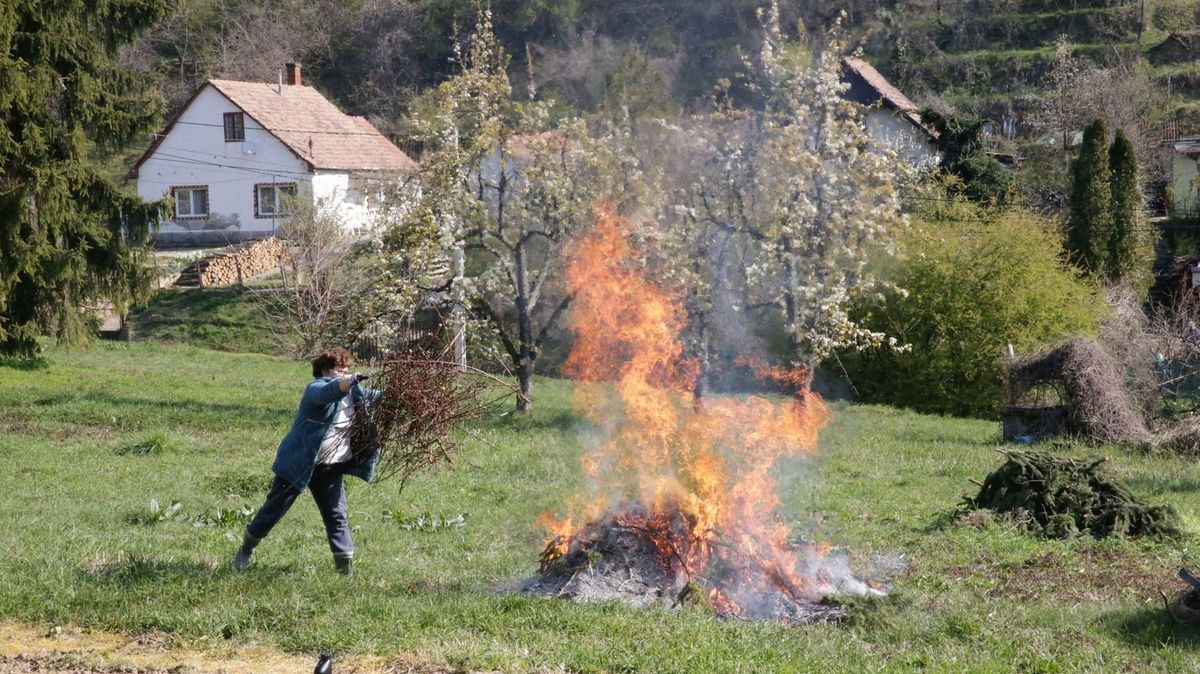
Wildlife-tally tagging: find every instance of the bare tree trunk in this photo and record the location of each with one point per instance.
(458, 315)
(700, 390)
(791, 312)
(528, 355)
(525, 380)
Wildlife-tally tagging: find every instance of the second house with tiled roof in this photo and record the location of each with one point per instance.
(238, 153)
(892, 119)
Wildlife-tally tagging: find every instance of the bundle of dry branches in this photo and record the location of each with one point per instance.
(423, 400)
(1110, 388)
(1134, 342)
(1092, 387)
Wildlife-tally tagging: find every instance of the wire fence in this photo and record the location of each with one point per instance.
(423, 333)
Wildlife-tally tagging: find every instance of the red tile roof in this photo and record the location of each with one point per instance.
(314, 128)
(890, 94)
(308, 124)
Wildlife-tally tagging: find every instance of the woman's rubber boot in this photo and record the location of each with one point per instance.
(241, 561)
(344, 563)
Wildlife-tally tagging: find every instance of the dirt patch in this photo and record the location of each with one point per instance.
(1106, 576)
(56, 432)
(16, 427)
(28, 650)
(72, 663)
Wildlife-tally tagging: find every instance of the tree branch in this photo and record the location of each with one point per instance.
(509, 345)
(562, 306)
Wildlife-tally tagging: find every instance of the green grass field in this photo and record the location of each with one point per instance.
(226, 319)
(90, 438)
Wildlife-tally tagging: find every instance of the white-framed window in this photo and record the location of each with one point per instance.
(271, 199)
(235, 127)
(191, 201)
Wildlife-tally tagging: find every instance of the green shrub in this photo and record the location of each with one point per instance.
(972, 282)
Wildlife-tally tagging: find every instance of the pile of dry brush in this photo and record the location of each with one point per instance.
(423, 403)
(1061, 497)
(1091, 384)
(1108, 388)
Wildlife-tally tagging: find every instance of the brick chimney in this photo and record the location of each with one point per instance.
(293, 74)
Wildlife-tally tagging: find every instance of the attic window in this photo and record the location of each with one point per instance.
(235, 127)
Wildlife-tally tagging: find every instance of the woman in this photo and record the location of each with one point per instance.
(315, 454)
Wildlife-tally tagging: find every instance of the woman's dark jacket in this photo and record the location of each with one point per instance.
(297, 454)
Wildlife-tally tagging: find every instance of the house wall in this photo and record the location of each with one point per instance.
(354, 195)
(912, 144)
(1185, 183)
(194, 152)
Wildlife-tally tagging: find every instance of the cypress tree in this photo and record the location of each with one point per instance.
(1122, 244)
(69, 237)
(1090, 225)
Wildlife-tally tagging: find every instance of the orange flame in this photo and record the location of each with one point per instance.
(711, 465)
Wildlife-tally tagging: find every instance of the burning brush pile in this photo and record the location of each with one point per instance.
(681, 501)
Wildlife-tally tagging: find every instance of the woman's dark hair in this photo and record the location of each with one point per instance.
(328, 360)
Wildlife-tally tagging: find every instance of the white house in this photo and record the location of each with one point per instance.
(892, 120)
(237, 148)
(1185, 175)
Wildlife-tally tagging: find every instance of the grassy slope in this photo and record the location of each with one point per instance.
(983, 598)
(225, 319)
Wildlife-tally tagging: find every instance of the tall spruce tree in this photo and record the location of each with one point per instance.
(1090, 226)
(1126, 200)
(69, 237)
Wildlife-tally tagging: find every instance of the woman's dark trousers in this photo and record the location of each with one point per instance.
(330, 495)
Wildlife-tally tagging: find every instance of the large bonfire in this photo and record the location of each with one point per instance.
(681, 500)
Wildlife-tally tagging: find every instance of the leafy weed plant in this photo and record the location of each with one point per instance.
(427, 522)
(156, 443)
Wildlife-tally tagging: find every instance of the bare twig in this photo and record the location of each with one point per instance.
(423, 401)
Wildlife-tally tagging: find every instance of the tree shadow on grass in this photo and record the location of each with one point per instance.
(166, 409)
(141, 569)
(943, 521)
(538, 420)
(1145, 484)
(1151, 628)
(27, 364)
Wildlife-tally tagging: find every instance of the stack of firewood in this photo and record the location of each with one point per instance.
(234, 264)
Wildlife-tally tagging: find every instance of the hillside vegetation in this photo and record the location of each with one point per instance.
(373, 58)
(992, 57)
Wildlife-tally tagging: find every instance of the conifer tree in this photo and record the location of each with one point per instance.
(1122, 244)
(1090, 224)
(964, 156)
(69, 237)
